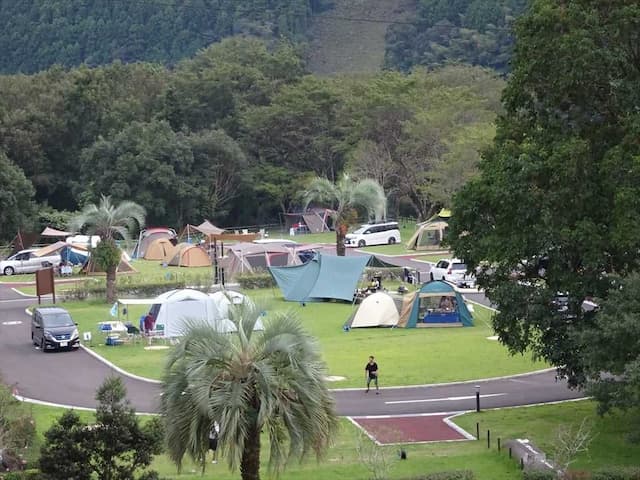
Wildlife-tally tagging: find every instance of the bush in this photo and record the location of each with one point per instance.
(453, 475)
(616, 474)
(32, 474)
(539, 475)
(255, 280)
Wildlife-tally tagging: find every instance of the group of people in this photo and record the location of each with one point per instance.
(64, 269)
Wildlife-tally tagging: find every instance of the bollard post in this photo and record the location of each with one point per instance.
(509, 452)
(477, 430)
(522, 464)
(488, 438)
(478, 398)
(498, 443)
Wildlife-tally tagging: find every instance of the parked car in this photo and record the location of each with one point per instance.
(374, 234)
(53, 328)
(25, 261)
(454, 271)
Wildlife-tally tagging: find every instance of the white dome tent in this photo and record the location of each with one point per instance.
(174, 308)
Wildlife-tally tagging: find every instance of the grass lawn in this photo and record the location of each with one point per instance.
(538, 424)
(434, 354)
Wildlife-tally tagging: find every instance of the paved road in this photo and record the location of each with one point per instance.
(71, 378)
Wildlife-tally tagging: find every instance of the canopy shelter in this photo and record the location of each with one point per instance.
(22, 241)
(436, 304)
(147, 236)
(324, 277)
(377, 310)
(187, 255)
(161, 249)
(209, 228)
(74, 254)
(247, 257)
(430, 234)
(52, 232)
(313, 220)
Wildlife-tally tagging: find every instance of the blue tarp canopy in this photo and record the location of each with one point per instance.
(324, 277)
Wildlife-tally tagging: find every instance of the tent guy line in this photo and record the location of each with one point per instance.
(445, 399)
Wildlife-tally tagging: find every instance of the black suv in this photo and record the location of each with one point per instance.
(53, 328)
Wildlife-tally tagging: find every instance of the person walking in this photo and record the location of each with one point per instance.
(371, 374)
(214, 433)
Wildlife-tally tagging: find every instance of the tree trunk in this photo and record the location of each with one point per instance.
(341, 232)
(250, 463)
(111, 283)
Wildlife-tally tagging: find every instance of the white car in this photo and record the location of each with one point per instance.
(25, 261)
(454, 271)
(374, 234)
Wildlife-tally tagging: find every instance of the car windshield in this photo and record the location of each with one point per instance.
(459, 266)
(360, 230)
(58, 320)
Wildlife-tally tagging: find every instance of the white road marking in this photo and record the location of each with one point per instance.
(445, 399)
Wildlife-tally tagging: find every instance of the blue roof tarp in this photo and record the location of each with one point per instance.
(324, 277)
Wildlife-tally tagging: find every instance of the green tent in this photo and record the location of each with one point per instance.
(435, 304)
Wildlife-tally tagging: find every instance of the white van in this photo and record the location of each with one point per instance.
(374, 234)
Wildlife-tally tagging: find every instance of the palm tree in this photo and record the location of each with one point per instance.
(344, 196)
(249, 383)
(109, 222)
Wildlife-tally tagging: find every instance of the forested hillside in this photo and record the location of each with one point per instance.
(233, 134)
(478, 32)
(35, 34)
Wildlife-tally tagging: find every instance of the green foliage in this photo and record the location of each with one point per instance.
(75, 32)
(555, 207)
(17, 427)
(29, 474)
(252, 281)
(616, 474)
(106, 255)
(16, 199)
(454, 475)
(476, 32)
(614, 347)
(66, 452)
(539, 475)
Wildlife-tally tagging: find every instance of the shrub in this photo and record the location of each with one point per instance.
(255, 280)
(539, 475)
(616, 474)
(32, 474)
(453, 475)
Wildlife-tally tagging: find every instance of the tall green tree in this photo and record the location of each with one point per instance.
(555, 209)
(248, 382)
(110, 222)
(17, 207)
(344, 197)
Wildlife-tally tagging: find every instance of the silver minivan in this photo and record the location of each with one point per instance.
(374, 234)
(26, 261)
(52, 328)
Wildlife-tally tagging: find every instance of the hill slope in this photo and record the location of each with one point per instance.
(351, 46)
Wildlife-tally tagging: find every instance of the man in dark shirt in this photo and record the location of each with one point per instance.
(371, 373)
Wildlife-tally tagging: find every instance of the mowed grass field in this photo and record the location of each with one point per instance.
(406, 356)
(539, 424)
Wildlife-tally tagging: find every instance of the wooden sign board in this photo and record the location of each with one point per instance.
(45, 284)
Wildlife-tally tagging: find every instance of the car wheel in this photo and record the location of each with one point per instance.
(42, 345)
(362, 243)
(392, 240)
(9, 271)
(431, 276)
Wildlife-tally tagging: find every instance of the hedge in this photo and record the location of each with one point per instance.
(452, 475)
(616, 474)
(539, 475)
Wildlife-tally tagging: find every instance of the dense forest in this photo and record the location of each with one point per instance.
(478, 32)
(233, 134)
(35, 34)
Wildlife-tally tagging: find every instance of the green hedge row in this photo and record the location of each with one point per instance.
(453, 475)
(255, 280)
(539, 475)
(31, 474)
(616, 474)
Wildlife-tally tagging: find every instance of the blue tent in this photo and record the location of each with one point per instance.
(436, 303)
(324, 277)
